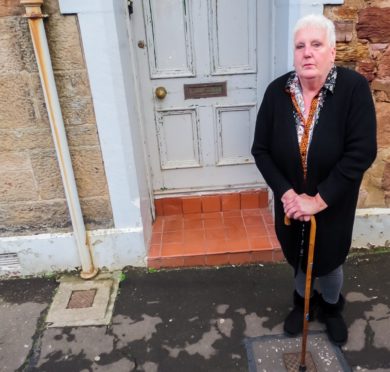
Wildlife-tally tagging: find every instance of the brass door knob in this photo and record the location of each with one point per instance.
(160, 92)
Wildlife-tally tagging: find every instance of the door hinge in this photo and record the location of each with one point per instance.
(130, 6)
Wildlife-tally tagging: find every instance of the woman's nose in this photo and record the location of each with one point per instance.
(307, 51)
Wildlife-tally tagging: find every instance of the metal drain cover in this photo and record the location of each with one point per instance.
(292, 362)
(81, 299)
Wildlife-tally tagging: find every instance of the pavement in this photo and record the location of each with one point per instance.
(188, 320)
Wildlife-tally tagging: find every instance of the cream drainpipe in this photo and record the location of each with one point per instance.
(38, 35)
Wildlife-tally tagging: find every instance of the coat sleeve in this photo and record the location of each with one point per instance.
(261, 148)
(359, 146)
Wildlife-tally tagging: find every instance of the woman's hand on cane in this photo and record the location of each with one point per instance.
(302, 207)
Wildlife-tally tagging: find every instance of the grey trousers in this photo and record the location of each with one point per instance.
(330, 285)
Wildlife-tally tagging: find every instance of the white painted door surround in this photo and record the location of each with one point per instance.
(200, 143)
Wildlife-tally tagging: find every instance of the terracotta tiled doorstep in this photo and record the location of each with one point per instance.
(214, 236)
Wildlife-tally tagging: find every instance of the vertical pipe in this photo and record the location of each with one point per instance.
(41, 49)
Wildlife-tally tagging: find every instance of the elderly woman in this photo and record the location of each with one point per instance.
(315, 137)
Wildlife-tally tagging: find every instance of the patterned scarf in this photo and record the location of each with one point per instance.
(306, 126)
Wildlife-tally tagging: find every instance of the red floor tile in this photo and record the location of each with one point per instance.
(215, 234)
(192, 205)
(156, 238)
(237, 245)
(260, 243)
(172, 262)
(232, 213)
(255, 231)
(235, 233)
(230, 201)
(215, 246)
(212, 216)
(172, 237)
(268, 218)
(193, 261)
(171, 250)
(192, 216)
(278, 255)
(263, 199)
(154, 251)
(194, 249)
(240, 258)
(217, 259)
(154, 263)
(172, 206)
(253, 220)
(158, 205)
(263, 256)
(173, 225)
(251, 212)
(158, 225)
(275, 242)
(213, 223)
(193, 224)
(249, 200)
(195, 235)
(270, 231)
(233, 221)
(211, 203)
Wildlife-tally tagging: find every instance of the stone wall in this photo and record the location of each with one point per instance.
(363, 43)
(32, 198)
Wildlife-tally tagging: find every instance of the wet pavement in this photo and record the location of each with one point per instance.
(189, 320)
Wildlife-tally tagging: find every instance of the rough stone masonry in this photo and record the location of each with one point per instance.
(32, 198)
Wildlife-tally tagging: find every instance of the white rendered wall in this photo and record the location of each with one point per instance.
(105, 37)
(106, 46)
(285, 15)
(50, 253)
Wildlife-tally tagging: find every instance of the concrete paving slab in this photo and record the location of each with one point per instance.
(100, 311)
(81, 349)
(23, 306)
(266, 353)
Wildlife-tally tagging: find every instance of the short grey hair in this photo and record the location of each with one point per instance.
(318, 21)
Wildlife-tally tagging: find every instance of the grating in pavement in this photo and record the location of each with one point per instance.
(81, 299)
(292, 361)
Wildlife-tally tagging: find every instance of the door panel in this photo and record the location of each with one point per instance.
(168, 29)
(178, 139)
(233, 42)
(235, 128)
(198, 144)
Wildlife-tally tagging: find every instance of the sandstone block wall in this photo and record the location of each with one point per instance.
(363, 43)
(32, 198)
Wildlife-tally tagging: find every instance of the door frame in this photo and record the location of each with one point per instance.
(265, 68)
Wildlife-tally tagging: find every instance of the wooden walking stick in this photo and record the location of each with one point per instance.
(309, 269)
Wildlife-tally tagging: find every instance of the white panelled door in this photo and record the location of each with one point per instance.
(199, 85)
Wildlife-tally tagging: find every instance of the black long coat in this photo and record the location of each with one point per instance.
(343, 146)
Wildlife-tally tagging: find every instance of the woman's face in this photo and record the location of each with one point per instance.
(313, 56)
